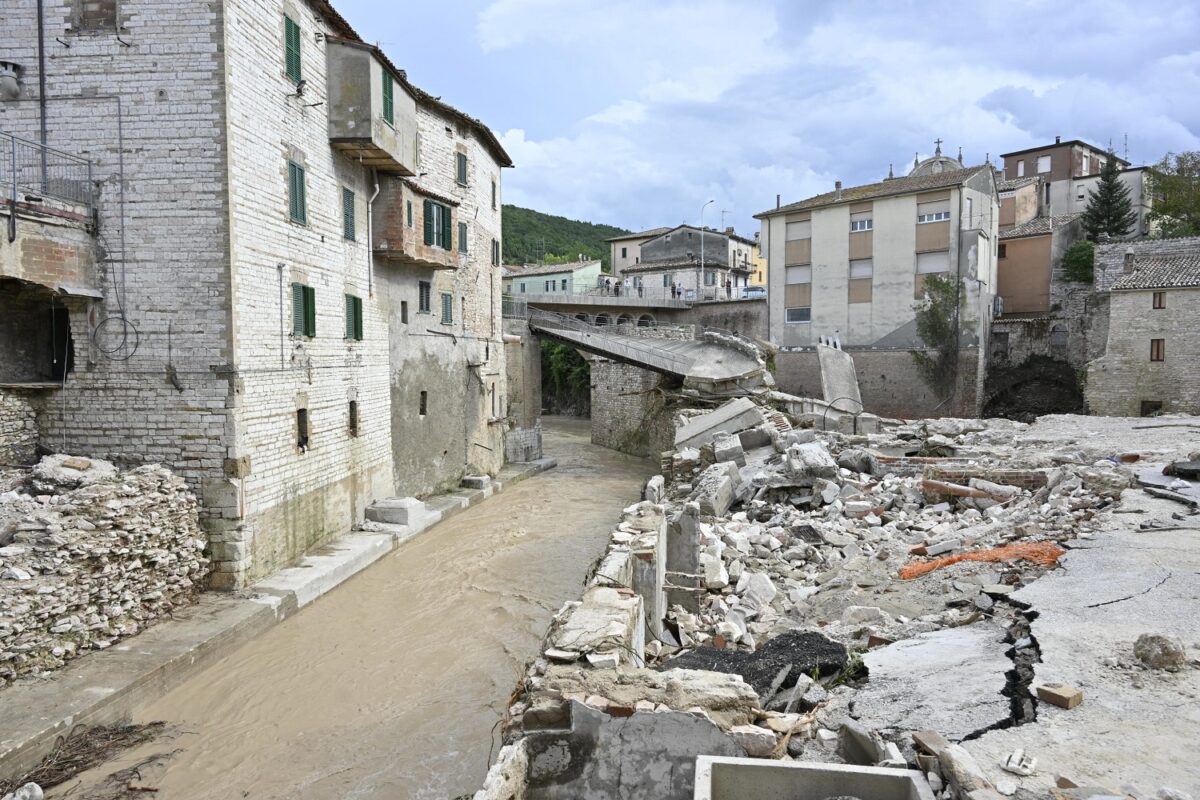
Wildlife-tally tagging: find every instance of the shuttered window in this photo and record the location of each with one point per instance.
(348, 214)
(297, 204)
(799, 230)
(933, 262)
(447, 308)
(304, 310)
(862, 268)
(291, 48)
(423, 297)
(461, 171)
(409, 213)
(861, 221)
(936, 211)
(437, 225)
(462, 237)
(389, 109)
(495, 252)
(354, 318)
(793, 275)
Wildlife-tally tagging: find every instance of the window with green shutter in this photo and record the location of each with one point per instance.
(410, 213)
(348, 214)
(297, 206)
(437, 225)
(354, 318)
(462, 237)
(304, 310)
(461, 174)
(291, 48)
(424, 290)
(495, 252)
(389, 113)
(447, 308)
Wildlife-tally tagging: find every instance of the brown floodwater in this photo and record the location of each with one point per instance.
(389, 686)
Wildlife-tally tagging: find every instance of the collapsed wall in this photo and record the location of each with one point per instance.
(18, 428)
(89, 555)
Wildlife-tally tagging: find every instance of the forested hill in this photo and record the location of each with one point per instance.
(531, 237)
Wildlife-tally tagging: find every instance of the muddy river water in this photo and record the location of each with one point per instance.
(389, 686)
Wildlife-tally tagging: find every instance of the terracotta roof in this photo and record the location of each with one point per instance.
(650, 234)
(906, 185)
(421, 190)
(1016, 183)
(521, 270)
(1163, 272)
(1039, 226)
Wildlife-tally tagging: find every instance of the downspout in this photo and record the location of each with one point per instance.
(370, 239)
(41, 25)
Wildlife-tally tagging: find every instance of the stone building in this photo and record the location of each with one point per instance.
(626, 250)
(1153, 348)
(674, 257)
(851, 264)
(295, 296)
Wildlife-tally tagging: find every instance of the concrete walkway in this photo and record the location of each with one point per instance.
(110, 685)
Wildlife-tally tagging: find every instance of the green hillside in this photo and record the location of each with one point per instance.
(564, 239)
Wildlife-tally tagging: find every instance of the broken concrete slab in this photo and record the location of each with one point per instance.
(839, 381)
(804, 651)
(398, 511)
(733, 417)
(716, 488)
(605, 620)
(722, 778)
(949, 680)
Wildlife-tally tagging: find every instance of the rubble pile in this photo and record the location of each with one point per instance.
(89, 554)
(816, 578)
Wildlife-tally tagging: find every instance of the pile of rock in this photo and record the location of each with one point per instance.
(89, 554)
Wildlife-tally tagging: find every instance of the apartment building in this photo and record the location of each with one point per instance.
(294, 286)
(626, 250)
(851, 263)
(1069, 172)
(673, 258)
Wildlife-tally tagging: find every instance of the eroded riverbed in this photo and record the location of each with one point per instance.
(388, 686)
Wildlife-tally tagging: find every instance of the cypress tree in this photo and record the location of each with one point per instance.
(1109, 210)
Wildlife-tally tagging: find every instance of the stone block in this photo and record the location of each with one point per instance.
(1060, 694)
(716, 488)
(735, 416)
(476, 482)
(397, 511)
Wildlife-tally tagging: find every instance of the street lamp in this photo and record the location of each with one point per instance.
(700, 271)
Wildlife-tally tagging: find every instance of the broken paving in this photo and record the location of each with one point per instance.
(760, 590)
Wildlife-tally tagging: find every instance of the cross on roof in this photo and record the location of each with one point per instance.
(938, 142)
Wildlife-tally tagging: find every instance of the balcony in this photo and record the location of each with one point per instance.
(395, 241)
(357, 125)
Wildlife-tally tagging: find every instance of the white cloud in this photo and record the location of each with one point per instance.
(625, 112)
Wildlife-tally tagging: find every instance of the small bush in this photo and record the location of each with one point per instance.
(1079, 262)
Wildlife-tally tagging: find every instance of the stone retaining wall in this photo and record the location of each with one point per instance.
(18, 429)
(89, 555)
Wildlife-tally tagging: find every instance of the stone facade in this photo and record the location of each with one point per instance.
(629, 410)
(18, 428)
(190, 358)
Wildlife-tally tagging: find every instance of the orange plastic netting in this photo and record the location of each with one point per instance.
(1044, 553)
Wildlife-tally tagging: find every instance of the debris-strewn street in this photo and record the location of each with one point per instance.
(998, 605)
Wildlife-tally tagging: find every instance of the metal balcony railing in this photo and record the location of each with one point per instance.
(599, 340)
(34, 169)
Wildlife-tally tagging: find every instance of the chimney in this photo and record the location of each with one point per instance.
(837, 189)
(1058, 140)
(729, 230)
(1130, 260)
(777, 201)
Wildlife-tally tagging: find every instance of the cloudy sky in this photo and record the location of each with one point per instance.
(634, 112)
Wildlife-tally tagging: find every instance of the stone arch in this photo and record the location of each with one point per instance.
(646, 321)
(603, 319)
(624, 319)
(581, 317)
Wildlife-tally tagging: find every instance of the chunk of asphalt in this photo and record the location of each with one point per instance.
(804, 651)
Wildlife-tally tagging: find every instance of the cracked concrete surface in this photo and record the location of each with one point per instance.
(1136, 728)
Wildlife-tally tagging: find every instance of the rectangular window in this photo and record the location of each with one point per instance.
(710, 278)
(1002, 251)
(1021, 168)
(861, 221)
(461, 171)
(564, 284)
(302, 429)
(547, 286)
(304, 310)
(404, 311)
(424, 403)
(793, 275)
(970, 212)
(799, 314)
(447, 308)
(928, 263)
(424, 290)
(1151, 408)
(666, 280)
(862, 268)
(799, 230)
(495, 252)
(353, 418)
(297, 204)
(437, 225)
(937, 211)
(522, 289)
(291, 48)
(1160, 300)
(389, 108)
(354, 318)
(494, 194)
(1043, 164)
(1158, 349)
(462, 237)
(623, 253)
(348, 215)
(410, 213)
(1084, 163)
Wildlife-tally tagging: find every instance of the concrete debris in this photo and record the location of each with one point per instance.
(1160, 652)
(806, 653)
(1018, 763)
(1060, 694)
(90, 555)
(757, 742)
(30, 791)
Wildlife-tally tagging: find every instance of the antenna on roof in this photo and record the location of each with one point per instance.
(960, 154)
(1126, 147)
(890, 174)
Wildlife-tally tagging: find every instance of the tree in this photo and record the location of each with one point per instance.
(1109, 210)
(1079, 262)
(937, 326)
(1175, 187)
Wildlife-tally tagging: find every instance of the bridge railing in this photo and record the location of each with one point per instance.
(610, 342)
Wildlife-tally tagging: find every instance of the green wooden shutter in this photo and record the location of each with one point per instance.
(462, 237)
(428, 222)
(461, 168)
(348, 214)
(297, 207)
(410, 213)
(447, 308)
(350, 316)
(447, 233)
(310, 311)
(358, 318)
(291, 41)
(298, 309)
(389, 115)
